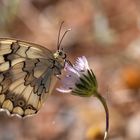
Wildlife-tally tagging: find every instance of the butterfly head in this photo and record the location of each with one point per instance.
(60, 54)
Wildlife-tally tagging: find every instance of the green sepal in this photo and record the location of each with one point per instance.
(87, 85)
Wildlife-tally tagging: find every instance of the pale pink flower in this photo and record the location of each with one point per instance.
(81, 81)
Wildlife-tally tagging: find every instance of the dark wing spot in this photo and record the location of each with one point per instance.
(29, 106)
(21, 103)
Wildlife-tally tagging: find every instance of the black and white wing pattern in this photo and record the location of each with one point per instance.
(26, 76)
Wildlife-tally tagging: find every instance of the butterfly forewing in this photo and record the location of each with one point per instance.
(26, 76)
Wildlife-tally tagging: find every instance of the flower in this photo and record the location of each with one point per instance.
(81, 81)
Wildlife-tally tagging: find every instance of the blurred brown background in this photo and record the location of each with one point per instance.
(107, 32)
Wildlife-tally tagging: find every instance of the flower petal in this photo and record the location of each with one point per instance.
(81, 64)
(71, 70)
(63, 90)
(68, 83)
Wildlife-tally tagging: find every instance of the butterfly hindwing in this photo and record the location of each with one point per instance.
(26, 74)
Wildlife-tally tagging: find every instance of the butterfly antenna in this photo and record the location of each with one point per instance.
(63, 37)
(59, 35)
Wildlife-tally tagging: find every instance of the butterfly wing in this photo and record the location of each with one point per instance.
(26, 76)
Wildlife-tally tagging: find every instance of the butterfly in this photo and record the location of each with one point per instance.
(28, 73)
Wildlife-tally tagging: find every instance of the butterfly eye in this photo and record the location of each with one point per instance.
(62, 54)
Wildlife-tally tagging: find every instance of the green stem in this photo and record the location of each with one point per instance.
(103, 101)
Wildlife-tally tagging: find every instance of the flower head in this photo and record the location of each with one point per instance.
(80, 79)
